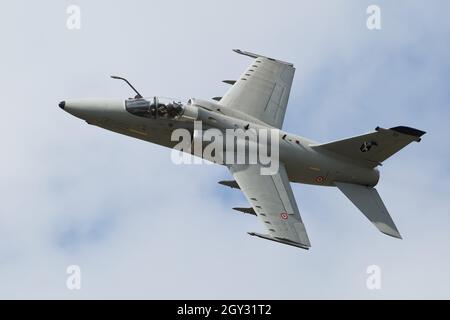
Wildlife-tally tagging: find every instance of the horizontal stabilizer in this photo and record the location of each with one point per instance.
(280, 240)
(374, 147)
(368, 201)
(246, 210)
(229, 183)
(217, 98)
(229, 81)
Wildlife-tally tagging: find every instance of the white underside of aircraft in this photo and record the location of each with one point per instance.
(258, 100)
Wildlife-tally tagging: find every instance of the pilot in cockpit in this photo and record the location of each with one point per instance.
(162, 110)
(154, 108)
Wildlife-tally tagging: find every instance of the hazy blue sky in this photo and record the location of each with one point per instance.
(142, 227)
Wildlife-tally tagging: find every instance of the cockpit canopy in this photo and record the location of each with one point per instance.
(155, 107)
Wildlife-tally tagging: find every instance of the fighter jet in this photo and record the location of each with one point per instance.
(257, 100)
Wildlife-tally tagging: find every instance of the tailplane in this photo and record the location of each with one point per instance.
(368, 201)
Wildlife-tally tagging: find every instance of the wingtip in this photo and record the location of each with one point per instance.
(256, 55)
(281, 240)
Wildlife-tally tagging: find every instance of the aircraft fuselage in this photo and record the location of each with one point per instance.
(303, 163)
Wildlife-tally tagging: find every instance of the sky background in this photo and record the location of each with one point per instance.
(142, 227)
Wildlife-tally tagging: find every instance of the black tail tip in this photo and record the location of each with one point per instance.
(409, 131)
(62, 104)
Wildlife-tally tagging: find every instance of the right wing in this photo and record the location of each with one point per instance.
(273, 202)
(262, 91)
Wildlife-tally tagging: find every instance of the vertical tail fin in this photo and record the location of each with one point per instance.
(368, 201)
(373, 147)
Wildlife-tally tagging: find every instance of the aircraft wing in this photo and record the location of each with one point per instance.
(262, 91)
(273, 202)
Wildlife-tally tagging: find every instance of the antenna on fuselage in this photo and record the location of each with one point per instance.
(138, 95)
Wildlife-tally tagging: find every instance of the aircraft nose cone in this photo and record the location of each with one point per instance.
(93, 109)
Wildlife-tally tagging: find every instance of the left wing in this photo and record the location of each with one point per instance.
(273, 202)
(262, 91)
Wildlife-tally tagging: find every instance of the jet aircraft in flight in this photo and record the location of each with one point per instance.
(257, 101)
